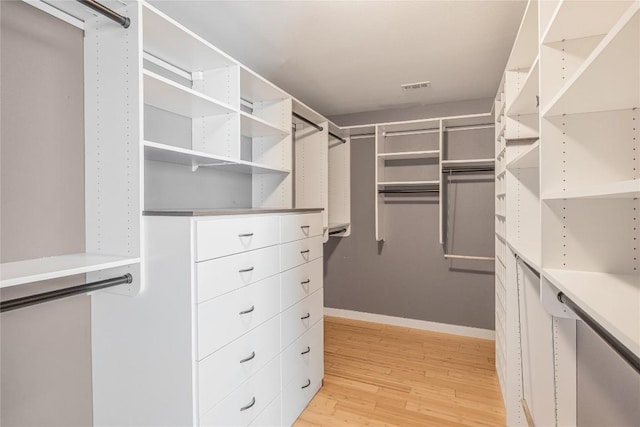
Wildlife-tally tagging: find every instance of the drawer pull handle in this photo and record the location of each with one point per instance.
(306, 316)
(307, 384)
(246, 359)
(249, 405)
(306, 282)
(247, 311)
(246, 270)
(305, 226)
(307, 350)
(245, 235)
(306, 251)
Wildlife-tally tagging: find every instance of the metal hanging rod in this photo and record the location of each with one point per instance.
(472, 257)
(307, 121)
(363, 136)
(337, 137)
(409, 191)
(411, 132)
(103, 10)
(16, 303)
(469, 127)
(628, 355)
(458, 169)
(342, 230)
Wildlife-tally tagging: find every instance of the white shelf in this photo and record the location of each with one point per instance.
(409, 155)
(254, 88)
(616, 190)
(528, 252)
(525, 101)
(608, 78)
(253, 126)
(577, 19)
(34, 270)
(167, 95)
(527, 159)
(468, 163)
(525, 47)
(612, 300)
(182, 156)
(166, 39)
(501, 237)
(333, 226)
(407, 183)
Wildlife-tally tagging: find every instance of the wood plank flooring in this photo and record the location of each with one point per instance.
(381, 375)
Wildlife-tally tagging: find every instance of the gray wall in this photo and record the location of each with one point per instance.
(46, 350)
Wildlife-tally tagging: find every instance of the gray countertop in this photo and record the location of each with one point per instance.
(225, 211)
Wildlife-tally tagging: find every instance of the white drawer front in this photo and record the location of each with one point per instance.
(300, 226)
(301, 317)
(272, 416)
(242, 406)
(299, 392)
(220, 237)
(221, 275)
(223, 371)
(300, 282)
(300, 252)
(304, 354)
(223, 319)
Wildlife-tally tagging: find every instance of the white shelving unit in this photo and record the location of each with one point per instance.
(571, 190)
(339, 182)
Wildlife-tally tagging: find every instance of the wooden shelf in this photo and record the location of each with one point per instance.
(253, 126)
(408, 183)
(182, 156)
(616, 190)
(573, 20)
(254, 88)
(525, 101)
(165, 94)
(612, 300)
(527, 159)
(527, 251)
(34, 270)
(166, 39)
(409, 155)
(608, 78)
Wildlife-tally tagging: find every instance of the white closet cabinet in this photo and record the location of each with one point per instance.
(228, 331)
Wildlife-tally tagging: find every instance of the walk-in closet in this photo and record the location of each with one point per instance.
(312, 213)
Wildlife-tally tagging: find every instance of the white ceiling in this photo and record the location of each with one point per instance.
(342, 57)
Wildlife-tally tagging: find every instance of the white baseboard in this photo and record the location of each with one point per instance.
(465, 331)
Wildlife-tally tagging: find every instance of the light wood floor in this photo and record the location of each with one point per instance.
(380, 375)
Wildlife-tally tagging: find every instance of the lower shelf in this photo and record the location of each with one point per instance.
(34, 270)
(613, 300)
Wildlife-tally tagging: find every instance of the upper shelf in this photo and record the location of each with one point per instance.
(612, 300)
(166, 39)
(577, 19)
(182, 156)
(608, 78)
(529, 252)
(525, 47)
(253, 126)
(254, 88)
(470, 163)
(167, 95)
(34, 270)
(526, 101)
(527, 159)
(405, 155)
(615, 190)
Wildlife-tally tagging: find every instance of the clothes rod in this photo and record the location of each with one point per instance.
(629, 357)
(307, 121)
(103, 10)
(16, 303)
(416, 191)
(342, 230)
(411, 132)
(467, 170)
(472, 257)
(337, 137)
(363, 136)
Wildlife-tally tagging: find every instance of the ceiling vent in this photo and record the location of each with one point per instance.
(418, 85)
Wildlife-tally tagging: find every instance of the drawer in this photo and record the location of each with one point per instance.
(300, 252)
(272, 416)
(223, 319)
(304, 354)
(220, 237)
(223, 371)
(300, 226)
(300, 282)
(221, 275)
(301, 317)
(248, 401)
(299, 392)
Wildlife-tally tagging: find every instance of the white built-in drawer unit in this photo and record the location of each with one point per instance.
(231, 320)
